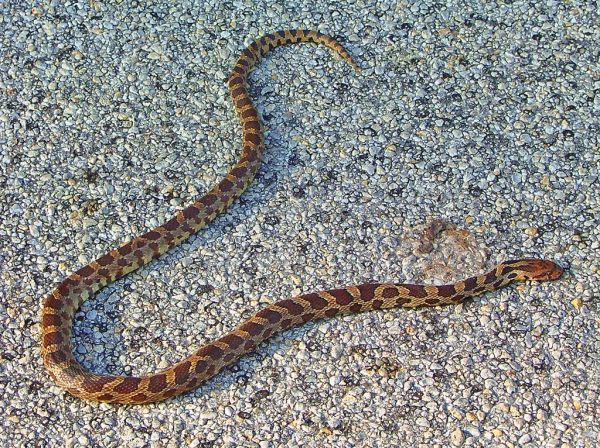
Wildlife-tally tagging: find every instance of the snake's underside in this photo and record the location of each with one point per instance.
(60, 306)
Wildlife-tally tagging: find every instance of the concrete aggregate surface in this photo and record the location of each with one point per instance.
(469, 137)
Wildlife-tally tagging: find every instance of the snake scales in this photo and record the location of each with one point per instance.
(60, 306)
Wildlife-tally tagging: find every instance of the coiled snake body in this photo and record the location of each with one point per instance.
(60, 306)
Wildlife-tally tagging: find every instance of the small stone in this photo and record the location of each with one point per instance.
(531, 231)
(457, 437)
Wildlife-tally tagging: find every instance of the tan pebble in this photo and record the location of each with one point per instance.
(545, 180)
(456, 413)
(14, 418)
(577, 303)
(457, 437)
(471, 416)
(531, 231)
(325, 430)
(296, 279)
(577, 404)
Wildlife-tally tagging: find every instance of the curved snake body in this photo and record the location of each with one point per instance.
(59, 307)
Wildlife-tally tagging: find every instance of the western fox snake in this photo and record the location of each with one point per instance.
(60, 306)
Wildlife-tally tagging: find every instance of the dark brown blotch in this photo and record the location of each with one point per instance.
(432, 301)
(377, 304)
(225, 185)
(95, 385)
(271, 315)
(190, 212)
(85, 271)
(342, 296)
(355, 307)
(417, 291)
(138, 398)
(171, 224)
(307, 316)
(367, 291)
(252, 124)
(128, 385)
(105, 397)
(458, 298)
(211, 350)
(57, 357)
(237, 91)
(254, 139)
(63, 288)
(209, 199)
(316, 301)
(53, 302)
(201, 366)
(126, 248)
(401, 301)
(182, 372)
(170, 392)
(51, 320)
(490, 277)
(105, 260)
(157, 382)
(331, 312)
(293, 307)
(286, 323)
(470, 283)
(239, 171)
(249, 113)
(248, 53)
(53, 338)
(232, 340)
(389, 292)
(244, 101)
(252, 328)
(446, 290)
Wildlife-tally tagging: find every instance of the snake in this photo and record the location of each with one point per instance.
(59, 307)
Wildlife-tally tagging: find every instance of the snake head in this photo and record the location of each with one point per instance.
(534, 269)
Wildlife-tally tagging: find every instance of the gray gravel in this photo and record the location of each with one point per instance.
(484, 118)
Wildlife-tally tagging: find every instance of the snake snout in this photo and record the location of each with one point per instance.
(545, 270)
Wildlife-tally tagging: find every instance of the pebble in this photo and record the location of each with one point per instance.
(112, 117)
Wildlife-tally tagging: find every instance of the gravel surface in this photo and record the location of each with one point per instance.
(469, 137)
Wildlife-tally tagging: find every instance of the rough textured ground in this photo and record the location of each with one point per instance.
(484, 118)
